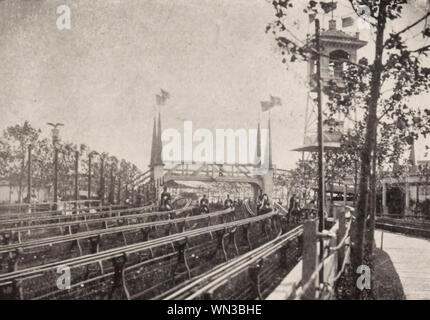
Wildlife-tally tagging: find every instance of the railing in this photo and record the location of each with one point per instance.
(249, 269)
(79, 223)
(119, 271)
(64, 211)
(51, 216)
(50, 249)
(319, 276)
(26, 207)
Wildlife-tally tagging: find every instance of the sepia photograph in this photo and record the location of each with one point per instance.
(230, 152)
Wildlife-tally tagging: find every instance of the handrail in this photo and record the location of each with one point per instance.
(54, 213)
(8, 278)
(92, 233)
(304, 287)
(99, 211)
(107, 219)
(25, 204)
(233, 267)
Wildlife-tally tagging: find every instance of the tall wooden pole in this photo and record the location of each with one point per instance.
(89, 176)
(29, 175)
(321, 191)
(111, 186)
(102, 181)
(76, 176)
(55, 175)
(118, 197)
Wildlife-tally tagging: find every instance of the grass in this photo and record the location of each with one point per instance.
(385, 282)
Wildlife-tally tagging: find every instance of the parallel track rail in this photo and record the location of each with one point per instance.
(10, 278)
(82, 219)
(12, 218)
(93, 233)
(216, 277)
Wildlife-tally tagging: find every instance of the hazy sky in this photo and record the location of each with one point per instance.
(100, 78)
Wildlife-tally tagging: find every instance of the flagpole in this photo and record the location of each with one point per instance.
(332, 10)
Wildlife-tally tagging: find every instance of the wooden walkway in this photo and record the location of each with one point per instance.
(411, 258)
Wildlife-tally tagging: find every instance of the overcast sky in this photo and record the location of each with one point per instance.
(100, 78)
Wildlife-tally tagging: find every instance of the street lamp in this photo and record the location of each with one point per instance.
(55, 140)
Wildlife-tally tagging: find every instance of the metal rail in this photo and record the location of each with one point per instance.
(24, 204)
(92, 221)
(40, 219)
(212, 279)
(89, 234)
(54, 213)
(9, 278)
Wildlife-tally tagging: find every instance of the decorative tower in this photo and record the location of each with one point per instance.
(337, 48)
(156, 163)
(268, 175)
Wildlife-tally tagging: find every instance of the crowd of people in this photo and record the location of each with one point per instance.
(294, 214)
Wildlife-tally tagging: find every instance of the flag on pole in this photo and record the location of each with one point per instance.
(328, 6)
(347, 22)
(266, 105)
(162, 97)
(276, 101)
(165, 94)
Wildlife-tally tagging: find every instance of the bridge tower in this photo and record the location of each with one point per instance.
(265, 176)
(156, 165)
(260, 177)
(268, 176)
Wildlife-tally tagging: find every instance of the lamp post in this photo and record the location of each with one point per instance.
(29, 186)
(89, 175)
(55, 140)
(102, 181)
(76, 177)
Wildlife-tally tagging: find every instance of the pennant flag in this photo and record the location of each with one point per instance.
(275, 101)
(328, 6)
(161, 98)
(347, 22)
(165, 94)
(266, 105)
(312, 17)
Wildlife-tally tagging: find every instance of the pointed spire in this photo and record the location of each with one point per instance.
(159, 149)
(154, 145)
(258, 149)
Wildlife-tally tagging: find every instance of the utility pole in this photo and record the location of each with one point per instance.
(89, 176)
(111, 186)
(55, 141)
(118, 197)
(102, 181)
(76, 177)
(55, 175)
(321, 191)
(29, 175)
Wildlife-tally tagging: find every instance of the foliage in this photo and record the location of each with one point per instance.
(14, 146)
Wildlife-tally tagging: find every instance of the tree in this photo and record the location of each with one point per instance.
(394, 62)
(17, 139)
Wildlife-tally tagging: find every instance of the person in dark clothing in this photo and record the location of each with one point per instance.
(259, 201)
(204, 204)
(292, 208)
(265, 204)
(228, 203)
(165, 204)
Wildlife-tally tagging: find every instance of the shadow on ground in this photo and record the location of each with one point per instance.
(386, 283)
